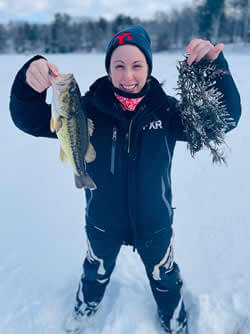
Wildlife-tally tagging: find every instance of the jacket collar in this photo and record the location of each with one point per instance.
(101, 96)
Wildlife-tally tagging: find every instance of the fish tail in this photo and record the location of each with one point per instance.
(84, 181)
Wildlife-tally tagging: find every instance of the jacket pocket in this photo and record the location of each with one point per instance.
(98, 224)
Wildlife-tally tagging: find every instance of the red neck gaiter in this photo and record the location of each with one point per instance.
(128, 103)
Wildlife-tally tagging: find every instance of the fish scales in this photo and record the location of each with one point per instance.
(78, 136)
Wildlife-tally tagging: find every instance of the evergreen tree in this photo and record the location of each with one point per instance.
(243, 6)
(209, 16)
(121, 22)
(97, 34)
(61, 34)
(19, 37)
(161, 32)
(3, 38)
(226, 20)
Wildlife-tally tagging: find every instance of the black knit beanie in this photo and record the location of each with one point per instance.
(134, 35)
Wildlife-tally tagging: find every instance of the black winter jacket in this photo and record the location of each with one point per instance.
(132, 170)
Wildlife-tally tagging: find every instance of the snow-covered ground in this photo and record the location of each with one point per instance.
(42, 240)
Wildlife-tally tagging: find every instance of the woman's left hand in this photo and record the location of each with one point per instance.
(200, 48)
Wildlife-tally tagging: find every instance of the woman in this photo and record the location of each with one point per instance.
(136, 128)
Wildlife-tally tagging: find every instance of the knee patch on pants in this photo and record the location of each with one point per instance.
(170, 281)
(167, 292)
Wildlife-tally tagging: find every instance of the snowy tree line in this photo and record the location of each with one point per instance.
(226, 21)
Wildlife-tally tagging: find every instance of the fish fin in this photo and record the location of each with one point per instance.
(52, 126)
(58, 124)
(91, 126)
(63, 155)
(90, 154)
(84, 181)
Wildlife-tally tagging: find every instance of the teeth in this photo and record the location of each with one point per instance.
(129, 87)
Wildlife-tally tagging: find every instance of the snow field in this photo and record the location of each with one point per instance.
(42, 241)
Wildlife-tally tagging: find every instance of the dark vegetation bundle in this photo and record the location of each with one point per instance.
(204, 116)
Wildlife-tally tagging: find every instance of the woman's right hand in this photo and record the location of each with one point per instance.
(37, 75)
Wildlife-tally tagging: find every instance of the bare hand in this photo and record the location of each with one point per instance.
(37, 75)
(199, 48)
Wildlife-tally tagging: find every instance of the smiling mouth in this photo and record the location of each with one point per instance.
(128, 87)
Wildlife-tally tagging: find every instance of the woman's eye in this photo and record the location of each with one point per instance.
(119, 66)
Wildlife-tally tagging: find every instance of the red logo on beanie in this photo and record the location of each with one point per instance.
(121, 38)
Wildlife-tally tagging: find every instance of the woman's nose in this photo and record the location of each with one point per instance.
(128, 74)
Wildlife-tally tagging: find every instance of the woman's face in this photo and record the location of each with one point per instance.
(128, 68)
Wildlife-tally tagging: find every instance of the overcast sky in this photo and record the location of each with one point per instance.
(43, 10)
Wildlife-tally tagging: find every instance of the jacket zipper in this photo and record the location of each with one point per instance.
(113, 150)
(129, 134)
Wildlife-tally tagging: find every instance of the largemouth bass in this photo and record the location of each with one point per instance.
(73, 128)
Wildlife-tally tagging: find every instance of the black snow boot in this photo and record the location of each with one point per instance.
(79, 319)
(175, 326)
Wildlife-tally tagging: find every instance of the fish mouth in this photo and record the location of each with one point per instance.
(63, 81)
(64, 78)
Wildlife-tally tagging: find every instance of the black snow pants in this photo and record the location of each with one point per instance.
(157, 256)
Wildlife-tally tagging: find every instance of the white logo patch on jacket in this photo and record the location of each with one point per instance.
(154, 125)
